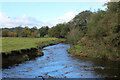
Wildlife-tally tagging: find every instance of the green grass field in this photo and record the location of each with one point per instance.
(15, 43)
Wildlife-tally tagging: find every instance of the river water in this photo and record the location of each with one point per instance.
(57, 63)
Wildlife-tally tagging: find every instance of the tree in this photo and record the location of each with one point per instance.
(55, 31)
(5, 32)
(0, 32)
(19, 31)
(34, 34)
(113, 6)
(33, 29)
(43, 31)
(26, 31)
(64, 31)
(74, 36)
(12, 34)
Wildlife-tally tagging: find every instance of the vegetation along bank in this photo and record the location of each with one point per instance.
(18, 49)
(97, 34)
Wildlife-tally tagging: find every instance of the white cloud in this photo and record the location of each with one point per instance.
(65, 18)
(24, 20)
(6, 21)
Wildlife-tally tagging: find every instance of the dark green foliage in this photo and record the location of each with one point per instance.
(64, 31)
(103, 26)
(82, 18)
(43, 31)
(33, 29)
(78, 28)
(54, 31)
(113, 6)
(59, 31)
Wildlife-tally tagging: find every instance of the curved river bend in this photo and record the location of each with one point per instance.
(57, 63)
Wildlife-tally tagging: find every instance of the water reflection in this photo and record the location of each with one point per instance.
(105, 68)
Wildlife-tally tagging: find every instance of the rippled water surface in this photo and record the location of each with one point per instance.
(57, 63)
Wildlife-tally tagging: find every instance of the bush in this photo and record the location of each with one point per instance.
(25, 58)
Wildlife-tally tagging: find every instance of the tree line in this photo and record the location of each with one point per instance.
(59, 31)
(25, 32)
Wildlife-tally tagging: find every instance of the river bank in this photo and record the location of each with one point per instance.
(12, 57)
(94, 50)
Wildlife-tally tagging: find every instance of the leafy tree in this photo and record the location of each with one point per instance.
(43, 31)
(12, 34)
(64, 31)
(5, 32)
(19, 31)
(26, 31)
(55, 31)
(113, 6)
(33, 29)
(74, 36)
(34, 34)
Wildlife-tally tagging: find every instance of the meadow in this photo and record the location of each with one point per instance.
(17, 43)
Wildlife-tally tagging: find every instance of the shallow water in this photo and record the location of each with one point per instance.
(57, 63)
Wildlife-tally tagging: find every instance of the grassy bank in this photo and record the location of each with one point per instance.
(95, 49)
(17, 50)
(13, 43)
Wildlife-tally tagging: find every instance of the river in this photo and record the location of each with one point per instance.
(57, 63)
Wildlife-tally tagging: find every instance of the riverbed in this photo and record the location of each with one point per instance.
(58, 63)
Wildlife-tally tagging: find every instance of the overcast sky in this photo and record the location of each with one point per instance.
(40, 14)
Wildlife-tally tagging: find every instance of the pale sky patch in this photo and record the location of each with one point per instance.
(9, 22)
(65, 18)
(31, 21)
